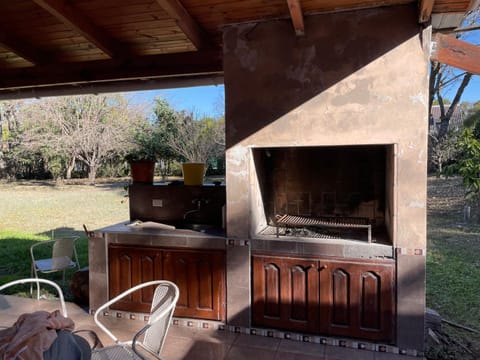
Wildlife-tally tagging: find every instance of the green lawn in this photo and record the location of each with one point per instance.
(453, 268)
(36, 211)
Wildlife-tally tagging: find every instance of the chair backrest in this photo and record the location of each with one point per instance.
(63, 251)
(40, 281)
(164, 301)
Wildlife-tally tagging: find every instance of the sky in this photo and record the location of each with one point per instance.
(201, 100)
(472, 92)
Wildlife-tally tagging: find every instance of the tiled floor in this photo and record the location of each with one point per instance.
(198, 344)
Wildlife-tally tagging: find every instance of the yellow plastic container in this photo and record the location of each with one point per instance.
(193, 173)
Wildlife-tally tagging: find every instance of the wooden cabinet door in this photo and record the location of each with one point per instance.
(200, 276)
(130, 266)
(285, 293)
(357, 299)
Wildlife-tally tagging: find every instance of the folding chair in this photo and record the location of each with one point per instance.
(63, 256)
(150, 339)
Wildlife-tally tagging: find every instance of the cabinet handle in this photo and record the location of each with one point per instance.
(323, 267)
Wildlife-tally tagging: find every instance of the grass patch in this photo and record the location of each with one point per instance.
(453, 269)
(37, 211)
(16, 260)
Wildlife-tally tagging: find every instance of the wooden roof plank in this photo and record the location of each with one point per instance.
(456, 53)
(189, 26)
(71, 16)
(297, 16)
(20, 48)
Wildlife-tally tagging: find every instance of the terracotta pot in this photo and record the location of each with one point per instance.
(193, 173)
(142, 171)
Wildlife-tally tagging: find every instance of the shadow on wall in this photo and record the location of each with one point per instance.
(267, 78)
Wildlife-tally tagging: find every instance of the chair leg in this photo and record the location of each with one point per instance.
(33, 272)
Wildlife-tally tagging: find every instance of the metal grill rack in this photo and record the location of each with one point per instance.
(293, 221)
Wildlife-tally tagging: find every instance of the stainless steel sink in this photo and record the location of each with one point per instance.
(196, 227)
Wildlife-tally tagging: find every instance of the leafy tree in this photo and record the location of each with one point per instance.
(473, 115)
(468, 165)
(445, 150)
(166, 128)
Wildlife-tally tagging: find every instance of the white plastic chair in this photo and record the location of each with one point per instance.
(63, 256)
(153, 334)
(38, 281)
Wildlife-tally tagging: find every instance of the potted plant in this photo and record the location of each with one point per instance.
(196, 141)
(142, 155)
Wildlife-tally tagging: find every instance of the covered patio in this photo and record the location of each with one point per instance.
(346, 82)
(195, 343)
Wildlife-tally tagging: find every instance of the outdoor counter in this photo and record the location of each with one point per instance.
(151, 238)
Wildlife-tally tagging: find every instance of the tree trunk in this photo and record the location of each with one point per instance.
(70, 168)
(445, 117)
(92, 173)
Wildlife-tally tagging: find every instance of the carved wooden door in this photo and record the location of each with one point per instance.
(285, 293)
(130, 266)
(357, 299)
(200, 276)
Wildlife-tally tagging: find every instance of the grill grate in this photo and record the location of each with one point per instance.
(299, 232)
(293, 221)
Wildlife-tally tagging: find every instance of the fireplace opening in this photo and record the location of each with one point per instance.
(329, 192)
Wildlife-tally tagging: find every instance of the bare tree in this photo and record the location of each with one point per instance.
(9, 126)
(440, 78)
(198, 140)
(444, 78)
(91, 129)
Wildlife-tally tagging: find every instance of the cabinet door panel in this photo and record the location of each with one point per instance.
(176, 269)
(371, 301)
(272, 304)
(205, 274)
(200, 276)
(340, 297)
(130, 266)
(299, 293)
(285, 293)
(357, 299)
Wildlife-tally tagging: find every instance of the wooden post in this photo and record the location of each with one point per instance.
(456, 53)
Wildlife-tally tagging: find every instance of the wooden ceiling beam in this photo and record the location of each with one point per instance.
(296, 14)
(20, 48)
(425, 10)
(186, 23)
(112, 86)
(90, 72)
(71, 16)
(456, 53)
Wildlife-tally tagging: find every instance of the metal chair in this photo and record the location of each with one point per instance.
(150, 339)
(63, 256)
(38, 281)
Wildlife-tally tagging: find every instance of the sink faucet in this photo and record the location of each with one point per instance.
(198, 202)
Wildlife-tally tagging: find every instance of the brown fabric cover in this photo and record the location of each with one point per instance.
(32, 334)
